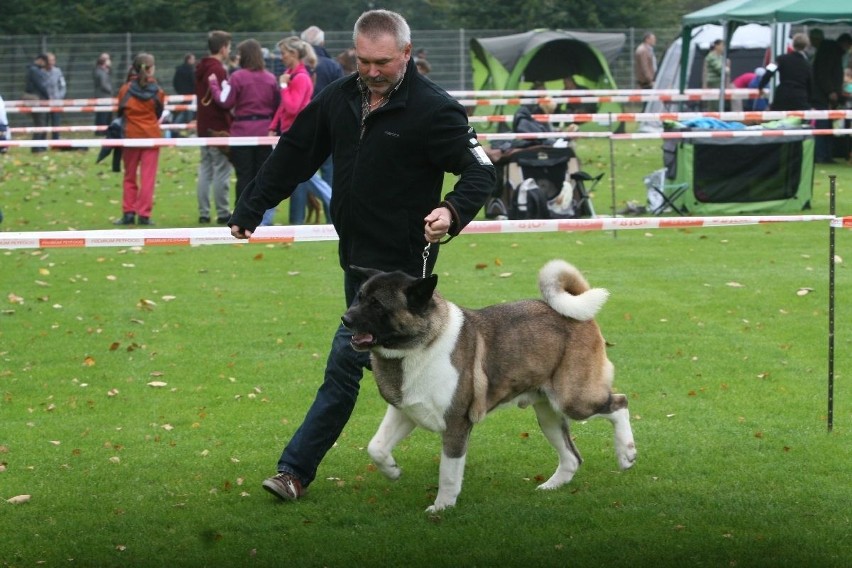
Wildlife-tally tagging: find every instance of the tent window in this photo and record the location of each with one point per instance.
(747, 173)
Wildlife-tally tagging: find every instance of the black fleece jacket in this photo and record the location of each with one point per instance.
(388, 171)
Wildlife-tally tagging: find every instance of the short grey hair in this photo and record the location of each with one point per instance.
(314, 36)
(379, 22)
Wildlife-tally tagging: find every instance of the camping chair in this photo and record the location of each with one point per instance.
(662, 197)
(582, 201)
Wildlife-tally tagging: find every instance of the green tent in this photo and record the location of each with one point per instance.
(734, 13)
(519, 60)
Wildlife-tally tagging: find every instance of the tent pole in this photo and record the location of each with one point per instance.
(612, 172)
(832, 185)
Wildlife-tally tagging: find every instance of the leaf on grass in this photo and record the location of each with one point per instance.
(168, 298)
(157, 384)
(837, 259)
(55, 442)
(89, 361)
(481, 266)
(804, 291)
(157, 373)
(112, 392)
(734, 285)
(19, 499)
(14, 298)
(167, 427)
(505, 275)
(146, 305)
(114, 345)
(115, 459)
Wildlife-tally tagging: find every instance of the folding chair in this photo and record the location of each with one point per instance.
(662, 197)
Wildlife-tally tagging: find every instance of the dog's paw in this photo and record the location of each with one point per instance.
(439, 506)
(626, 455)
(391, 471)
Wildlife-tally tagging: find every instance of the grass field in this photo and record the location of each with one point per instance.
(723, 359)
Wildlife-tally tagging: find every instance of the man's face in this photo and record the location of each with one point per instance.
(381, 64)
(51, 60)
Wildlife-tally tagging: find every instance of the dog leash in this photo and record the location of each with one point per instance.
(426, 257)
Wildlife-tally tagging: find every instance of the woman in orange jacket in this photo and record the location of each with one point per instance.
(140, 105)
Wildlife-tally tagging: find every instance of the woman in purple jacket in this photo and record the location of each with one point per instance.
(252, 93)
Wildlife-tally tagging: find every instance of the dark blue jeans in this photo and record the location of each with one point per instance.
(333, 405)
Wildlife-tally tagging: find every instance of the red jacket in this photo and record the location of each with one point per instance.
(210, 116)
(141, 113)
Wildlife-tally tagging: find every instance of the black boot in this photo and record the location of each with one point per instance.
(145, 220)
(127, 219)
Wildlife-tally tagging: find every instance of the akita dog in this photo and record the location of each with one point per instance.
(443, 367)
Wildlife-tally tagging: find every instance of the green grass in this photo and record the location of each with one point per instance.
(723, 362)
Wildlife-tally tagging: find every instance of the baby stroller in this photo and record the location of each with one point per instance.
(554, 177)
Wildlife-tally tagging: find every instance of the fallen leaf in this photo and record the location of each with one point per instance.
(168, 298)
(804, 291)
(168, 427)
(19, 499)
(157, 384)
(734, 285)
(89, 361)
(147, 305)
(505, 274)
(14, 298)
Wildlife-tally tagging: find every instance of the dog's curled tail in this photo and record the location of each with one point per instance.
(565, 290)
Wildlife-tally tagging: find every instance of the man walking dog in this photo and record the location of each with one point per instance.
(392, 134)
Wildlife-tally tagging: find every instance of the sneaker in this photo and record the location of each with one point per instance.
(204, 220)
(285, 486)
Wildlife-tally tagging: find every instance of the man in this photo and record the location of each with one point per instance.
(183, 83)
(715, 66)
(392, 134)
(102, 77)
(214, 170)
(36, 90)
(827, 73)
(645, 61)
(56, 90)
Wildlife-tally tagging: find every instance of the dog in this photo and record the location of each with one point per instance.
(314, 210)
(443, 367)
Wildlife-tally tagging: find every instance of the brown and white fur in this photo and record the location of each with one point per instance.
(443, 367)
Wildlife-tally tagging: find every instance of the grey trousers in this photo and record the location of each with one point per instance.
(214, 173)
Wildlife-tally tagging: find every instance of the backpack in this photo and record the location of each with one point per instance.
(528, 202)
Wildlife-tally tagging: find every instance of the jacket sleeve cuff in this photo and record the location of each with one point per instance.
(455, 224)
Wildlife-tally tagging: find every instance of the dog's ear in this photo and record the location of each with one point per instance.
(420, 292)
(363, 273)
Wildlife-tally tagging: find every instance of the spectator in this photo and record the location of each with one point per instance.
(214, 169)
(297, 88)
(252, 95)
(102, 76)
(36, 90)
(56, 89)
(645, 61)
(141, 103)
(391, 150)
(183, 83)
(794, 78)
(4, 126)
(715, 66)
(326, 71)
(421, 62)
(346, 58)
(827, 73)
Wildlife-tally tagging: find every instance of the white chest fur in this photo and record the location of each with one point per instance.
(429, 379)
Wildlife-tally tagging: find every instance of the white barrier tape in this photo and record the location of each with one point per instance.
(142, 142)
(90, 128)
(607, 118)
(85, 108)
(273, 140)
(87, 102)
(597, 99)
(729, 93)
(312, 233)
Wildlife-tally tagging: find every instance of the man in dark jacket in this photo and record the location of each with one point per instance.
(214, 170)
(827, 69)
(183, 82)
(36, 89)
(393, 134)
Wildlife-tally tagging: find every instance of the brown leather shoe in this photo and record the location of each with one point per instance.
(285, 486)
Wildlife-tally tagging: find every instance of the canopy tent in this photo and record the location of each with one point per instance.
(733, 13)
(517, 61)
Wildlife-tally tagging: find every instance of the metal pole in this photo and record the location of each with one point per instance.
(612, 172)
(832, 185)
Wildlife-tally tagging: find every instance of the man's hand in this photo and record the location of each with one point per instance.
(240, 233)
(438, 223)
